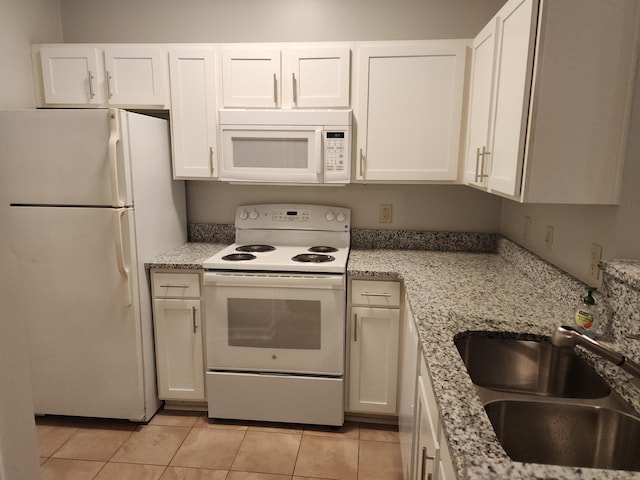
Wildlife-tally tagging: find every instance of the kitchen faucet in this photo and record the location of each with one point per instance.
(568, 337)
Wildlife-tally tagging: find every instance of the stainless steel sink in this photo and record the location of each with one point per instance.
(565, 434)
(528, 366)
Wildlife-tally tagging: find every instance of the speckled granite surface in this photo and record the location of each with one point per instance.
(457, 292)
(186, 257)
(452, 292)
(419, 240)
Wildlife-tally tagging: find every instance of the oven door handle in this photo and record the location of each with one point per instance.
(274, 281)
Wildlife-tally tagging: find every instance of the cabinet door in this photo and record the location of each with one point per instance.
(512, 86)
(427, 446)
(409, 109)
(193, 112)
(480, 88)
(70, 75)
(374, 360)
(407, 391)
(179, 359)
(319, 77)
(446, 471)
(251, 77)
(135, 76)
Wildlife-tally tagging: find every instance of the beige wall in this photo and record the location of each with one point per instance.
(21, 23)
(576, 227)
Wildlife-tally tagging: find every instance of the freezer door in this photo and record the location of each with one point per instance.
(79, 300)
(65, 157)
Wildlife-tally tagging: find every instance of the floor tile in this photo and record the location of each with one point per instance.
(184, 473)
(52, 437)
(326, 457)
(176, 418)
(257, 476)
(93, 444)
(267, 452)
(207, 448)
(379, 433)
(130, 471)
(151, 445)
(379, 461)
(64, 469)
(204, 422)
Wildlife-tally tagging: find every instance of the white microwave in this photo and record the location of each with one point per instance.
(285, 146)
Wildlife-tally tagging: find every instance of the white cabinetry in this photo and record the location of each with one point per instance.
(374, 346)
(409, 110)
(293, 77)
(193, 112)
(559, 99)
(178, 335)
(407, 391)
(97, 75)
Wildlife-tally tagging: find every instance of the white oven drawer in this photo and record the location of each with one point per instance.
(275, 398)
(176, 285)
(375, 293)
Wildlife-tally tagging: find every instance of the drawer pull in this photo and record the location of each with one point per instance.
(174, 285)
(375, 294)
(355, 328)
(424, 464)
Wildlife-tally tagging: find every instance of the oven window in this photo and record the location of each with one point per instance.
(270, 152)
(274, 323)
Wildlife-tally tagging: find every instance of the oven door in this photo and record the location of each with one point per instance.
(291, 154)
(270, 322)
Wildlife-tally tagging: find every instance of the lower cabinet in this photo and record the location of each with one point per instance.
(374, 347)
(178, 336)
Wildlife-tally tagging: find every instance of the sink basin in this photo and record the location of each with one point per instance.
(527, 366)
(565, 434)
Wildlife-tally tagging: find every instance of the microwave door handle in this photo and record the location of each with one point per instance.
(320, 154)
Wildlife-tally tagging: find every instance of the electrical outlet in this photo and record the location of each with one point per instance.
(595, 257)
(386, 213)
(527, 227)
(548, 238)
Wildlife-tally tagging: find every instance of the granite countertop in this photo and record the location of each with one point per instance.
(454, 292)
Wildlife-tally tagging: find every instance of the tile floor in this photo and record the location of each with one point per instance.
(188, 446)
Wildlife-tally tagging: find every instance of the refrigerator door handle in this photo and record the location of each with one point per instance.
(120, 257)
(114, 139)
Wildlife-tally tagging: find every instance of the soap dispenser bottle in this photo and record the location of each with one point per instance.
(585, 315)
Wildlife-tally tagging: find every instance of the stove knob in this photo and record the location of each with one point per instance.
(341, 217)
(330, 216)
(253, 215)
(243, 215)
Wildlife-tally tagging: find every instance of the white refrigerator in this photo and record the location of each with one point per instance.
(91, 199)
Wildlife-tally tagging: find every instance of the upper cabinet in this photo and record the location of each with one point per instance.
(409, 110)
(193, 112)
(291, 77)
(92, 76)
(549, 100)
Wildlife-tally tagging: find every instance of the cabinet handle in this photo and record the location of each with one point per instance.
(355, 328)
(361, 164)
(92, 94)
(295, 90)
(375, 294)
(193, 316)
(480, 154)
(425, 457)
(109, 93)
(211, 162)
(275, 90)
(174, 285)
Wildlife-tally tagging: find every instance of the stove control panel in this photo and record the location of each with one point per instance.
(288, 216)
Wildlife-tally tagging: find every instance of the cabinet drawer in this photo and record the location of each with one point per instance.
(374, 293)
(183, 285)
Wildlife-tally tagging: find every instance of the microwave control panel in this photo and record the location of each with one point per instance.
(336, 153)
